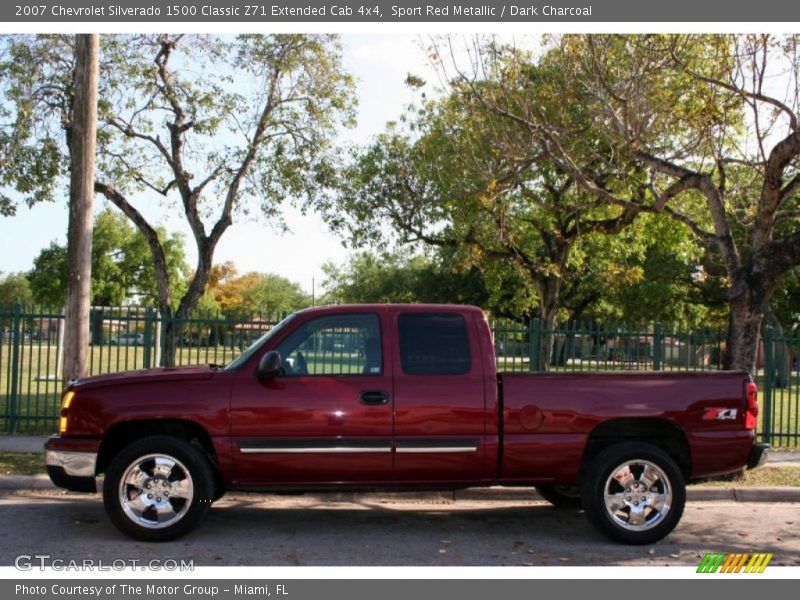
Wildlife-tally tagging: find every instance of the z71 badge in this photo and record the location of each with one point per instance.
(720, 414)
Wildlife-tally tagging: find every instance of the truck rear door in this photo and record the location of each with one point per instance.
(440, 405)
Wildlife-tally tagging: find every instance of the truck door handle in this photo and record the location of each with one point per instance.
(374, 398)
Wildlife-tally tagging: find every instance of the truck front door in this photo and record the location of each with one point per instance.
(328, 417)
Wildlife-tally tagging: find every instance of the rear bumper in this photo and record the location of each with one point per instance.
(758, 456)
(72, 469)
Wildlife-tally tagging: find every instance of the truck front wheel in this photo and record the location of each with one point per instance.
(158, 488)
(633, 492)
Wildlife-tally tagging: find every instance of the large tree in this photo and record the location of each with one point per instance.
(703, 129)
(213, 126)
(456, 175)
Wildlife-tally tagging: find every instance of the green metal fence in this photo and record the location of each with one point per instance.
(127, 338)
(578, 347)
(779, 383)
(121, 339)
(590, 347)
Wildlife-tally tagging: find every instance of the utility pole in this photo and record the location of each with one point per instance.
(82, 141)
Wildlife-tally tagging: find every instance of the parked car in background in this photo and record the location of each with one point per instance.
(127, 339)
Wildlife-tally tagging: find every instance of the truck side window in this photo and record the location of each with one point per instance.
(335, 345)
(434, 344)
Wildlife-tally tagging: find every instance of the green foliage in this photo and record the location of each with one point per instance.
(121, 266)
(270, 294)
(208, 307)
(467, 180)
(252, 294)
(785, 303)
(401, 277)
(265, 103)
(35, 79)
(15, 288)
(48, 278)
(653, 272)
(370, 277)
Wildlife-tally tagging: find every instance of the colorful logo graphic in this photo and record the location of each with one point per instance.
(719, 562)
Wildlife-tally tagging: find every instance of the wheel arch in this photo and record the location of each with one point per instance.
(659, 432)
(123, 433)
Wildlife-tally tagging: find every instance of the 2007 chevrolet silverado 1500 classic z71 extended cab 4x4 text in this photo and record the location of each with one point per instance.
(398, 397)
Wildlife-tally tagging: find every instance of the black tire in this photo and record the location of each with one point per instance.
(563, 496)
(157, 517)
(642, 512)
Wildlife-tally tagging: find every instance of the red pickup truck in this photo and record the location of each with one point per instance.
(396, 397)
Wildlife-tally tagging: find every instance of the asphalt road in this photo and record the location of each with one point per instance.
(387, 530)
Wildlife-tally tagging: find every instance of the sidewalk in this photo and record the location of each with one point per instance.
(22, 443)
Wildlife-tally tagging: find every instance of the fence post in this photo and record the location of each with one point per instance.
(658, 346)
(769, 375)
(149, 317)
(16, 343)
(159, 319)
(535, 345)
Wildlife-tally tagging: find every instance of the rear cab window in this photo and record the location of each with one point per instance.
(434, 343)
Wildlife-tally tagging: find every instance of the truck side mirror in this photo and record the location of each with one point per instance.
(270, 365)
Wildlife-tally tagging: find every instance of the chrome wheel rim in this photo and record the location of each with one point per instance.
(156, 491)
(637, 495)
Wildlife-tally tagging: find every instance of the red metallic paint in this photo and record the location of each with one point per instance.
(546, 418)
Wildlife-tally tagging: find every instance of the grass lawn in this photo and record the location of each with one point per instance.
(21, 463)
(763, 477)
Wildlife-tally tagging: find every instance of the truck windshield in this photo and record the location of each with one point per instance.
(253, 348)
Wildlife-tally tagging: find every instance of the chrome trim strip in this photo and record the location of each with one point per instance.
(75, 464)
(315, 450)
(431, 449)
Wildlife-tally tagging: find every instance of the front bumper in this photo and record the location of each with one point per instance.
(70, 469)
(758, 456)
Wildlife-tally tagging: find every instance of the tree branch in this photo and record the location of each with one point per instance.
(150, 234)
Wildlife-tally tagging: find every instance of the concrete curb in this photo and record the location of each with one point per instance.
(22, 443)
(694, 493)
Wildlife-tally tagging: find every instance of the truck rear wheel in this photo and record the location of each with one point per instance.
(562, 496)
(633, 492)
(158, 488)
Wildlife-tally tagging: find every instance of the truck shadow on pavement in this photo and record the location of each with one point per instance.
(313, 530)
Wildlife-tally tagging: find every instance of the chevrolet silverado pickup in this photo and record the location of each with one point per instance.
(365, 397)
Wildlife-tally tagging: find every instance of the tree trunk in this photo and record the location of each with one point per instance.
(548, 311)
(81, 197)
(744, 327)
(172, 328)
